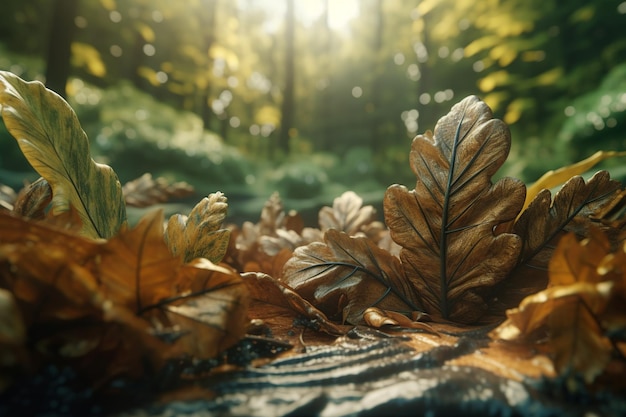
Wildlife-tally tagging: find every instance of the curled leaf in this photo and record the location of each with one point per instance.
(52, 140)
(347, 275)
(199, 235)
(33, 200)
(266, 291)
(568, 316)
(376, 317)
(211, 309)
(450, 252)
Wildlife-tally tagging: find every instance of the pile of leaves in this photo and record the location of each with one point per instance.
(79, 286)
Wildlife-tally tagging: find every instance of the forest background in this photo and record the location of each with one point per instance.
(314, 97)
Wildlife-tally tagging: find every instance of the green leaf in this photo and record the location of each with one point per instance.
(199, 235)
(51, 138)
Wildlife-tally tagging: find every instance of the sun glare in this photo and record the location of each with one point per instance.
(340, 12)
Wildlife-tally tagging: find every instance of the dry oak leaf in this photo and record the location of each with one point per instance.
(84, 298)
(568, 315)
(200, 235)
(50, 273)
(206, 303)
(271, 297)
(450, 253)
(544, 222)
(344, 276)
(571, 210)
(211, 310)
(146, 191)
(266, 245)
(349, 215)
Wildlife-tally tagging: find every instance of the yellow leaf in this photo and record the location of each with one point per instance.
(85, 55)
(199, 235)
(557, 177)
(51, 138)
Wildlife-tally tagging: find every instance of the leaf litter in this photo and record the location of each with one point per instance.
(455, 251)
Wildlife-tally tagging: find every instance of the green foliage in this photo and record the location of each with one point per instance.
(597, 116)
(135, 133)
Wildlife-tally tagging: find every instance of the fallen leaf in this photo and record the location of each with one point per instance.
(376, 317)
(573, 205)
(349, 215)
(33, 200)
(267, 291)
(211, 309)
(200, 235)
(135, 268)
(450, 253)
(49, 134)
(559, 176)
(544, 222)
(146, 191)
(346, 275)
(567, 316)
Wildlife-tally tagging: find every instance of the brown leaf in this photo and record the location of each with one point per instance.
(199, 235)
(569, 312)
(261, 247)
(265, 290)
(349, 215)
(573, 205)
(544, 222)
(33, 200)
(146, 191)
(451, 255)
(211, 310)
(347, 275)
(376, 317)
(136, 268)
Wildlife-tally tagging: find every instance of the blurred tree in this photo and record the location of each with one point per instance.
(59, 45)
(288, 103)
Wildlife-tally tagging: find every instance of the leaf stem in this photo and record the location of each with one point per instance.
(443, 234)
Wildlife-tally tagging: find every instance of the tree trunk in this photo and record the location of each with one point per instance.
(287, 108)
(60, 45)
(205, 111)
(377, 70)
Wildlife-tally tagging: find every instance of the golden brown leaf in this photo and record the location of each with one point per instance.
(349, 215)
(451, 255)
(347, 275)
(376, 317)
(199, 235)
(33, 200)
(573, 205)
(263, 245)
(146, 191)
(266, 291)
(211, 310)
(568, 315)
(136, 268)
(554, 178)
